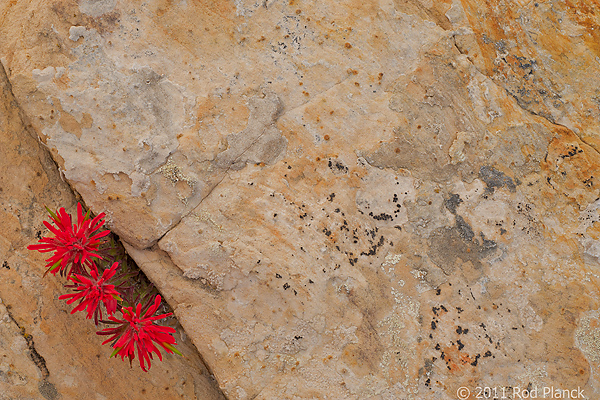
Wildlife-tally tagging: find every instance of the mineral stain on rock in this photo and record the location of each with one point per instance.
(495, 179)
(447, 245)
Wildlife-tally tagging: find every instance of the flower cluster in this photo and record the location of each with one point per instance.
(84, 253)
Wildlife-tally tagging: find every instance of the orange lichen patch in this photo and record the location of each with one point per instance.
(455, 360)
(587, 15)
(86, 121)
(202, 20)
(228, 109)
(435, 12)
(572, 167)
(70, 124)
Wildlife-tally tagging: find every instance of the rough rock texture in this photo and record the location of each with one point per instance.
(341, 200)
(46, 353)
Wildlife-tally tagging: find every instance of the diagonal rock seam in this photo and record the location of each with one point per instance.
(276, 116)
(46, 388)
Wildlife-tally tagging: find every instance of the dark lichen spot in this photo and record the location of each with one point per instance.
(495, 179)
(452, 203)
(48, 390)
(382, 217)
(337, 167)
(463, 229)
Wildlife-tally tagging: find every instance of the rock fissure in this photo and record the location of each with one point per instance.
(34, 355)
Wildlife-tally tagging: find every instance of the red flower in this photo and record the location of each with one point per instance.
(92, 291)
(77, 243)
(137, 331)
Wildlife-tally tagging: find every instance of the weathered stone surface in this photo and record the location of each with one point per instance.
(342, 200)
(46, 353)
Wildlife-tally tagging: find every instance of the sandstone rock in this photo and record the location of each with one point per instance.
(340, 200)
(46, 353)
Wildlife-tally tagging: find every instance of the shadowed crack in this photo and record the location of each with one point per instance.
(47, 390)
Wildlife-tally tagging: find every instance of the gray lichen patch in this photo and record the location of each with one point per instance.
(495, 179)
(447, 245)
(261, 141)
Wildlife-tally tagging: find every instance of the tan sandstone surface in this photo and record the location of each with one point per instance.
(46, 353)
(340, 200)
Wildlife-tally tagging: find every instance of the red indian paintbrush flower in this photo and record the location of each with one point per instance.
(137, 331)
(91, 291)
(77, 243)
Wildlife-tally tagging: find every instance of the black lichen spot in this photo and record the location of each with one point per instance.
(286, 286)
(337, 167)
(452, 203)
(461, 331)
(382, 217)
(327, 232)
(571, 152)
(474, 363)
(277, 276)
(488, 354)
(495, 179)
(438, 291)
(433, 325)
(460, 344)
(38, 235)
(331, 197)
(374, 247)
(5, 265)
